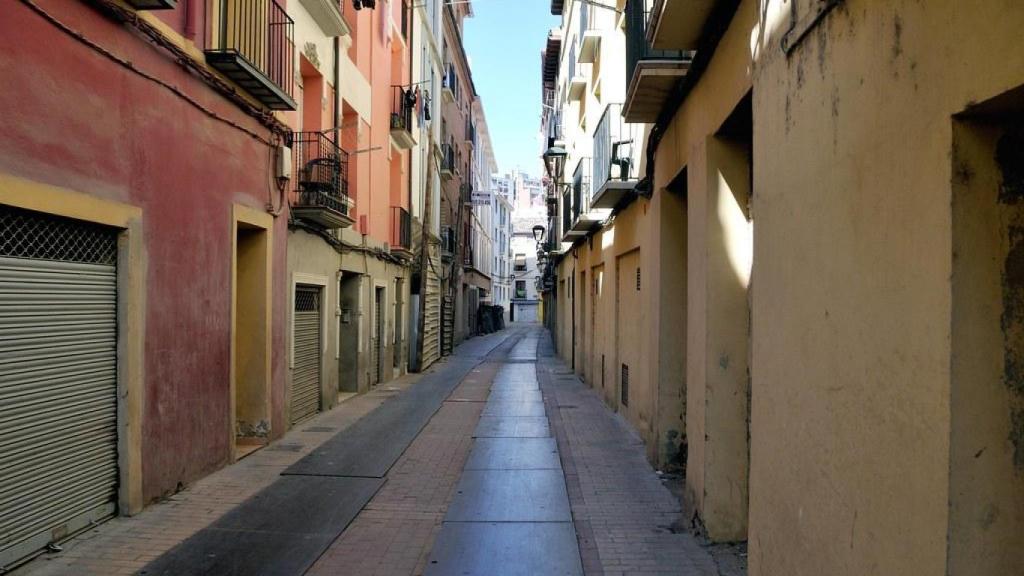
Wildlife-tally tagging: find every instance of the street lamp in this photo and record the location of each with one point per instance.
(552, 156)
(538, 233)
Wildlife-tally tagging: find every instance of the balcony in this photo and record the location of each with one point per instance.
(549, 61)
(401, 231)
(449, 244)
(450, 84)
(470, 133)
(618, 146)
(321, 181)
(590, 35)
(447, 161)
(651, 74)
(556, 7)
(403, 104)
(579, 218)
(677, 24)
(577, 82)
(584, 216)
(254, 47)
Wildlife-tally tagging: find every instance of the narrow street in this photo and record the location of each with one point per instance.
(498, 461)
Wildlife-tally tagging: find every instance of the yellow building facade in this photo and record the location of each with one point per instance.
(810, 303)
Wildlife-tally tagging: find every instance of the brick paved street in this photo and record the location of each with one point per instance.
(622, 514)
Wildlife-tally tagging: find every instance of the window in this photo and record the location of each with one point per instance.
(520, 288)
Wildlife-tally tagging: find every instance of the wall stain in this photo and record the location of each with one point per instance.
(1010, 159)
(897, 45)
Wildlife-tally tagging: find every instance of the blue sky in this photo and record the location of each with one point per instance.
(503, 40)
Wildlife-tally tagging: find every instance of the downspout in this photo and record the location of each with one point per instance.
(428, 209)
(407, 7)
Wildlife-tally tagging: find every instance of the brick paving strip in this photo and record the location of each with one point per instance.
(126, 545)
(394, 533)
(622, 512)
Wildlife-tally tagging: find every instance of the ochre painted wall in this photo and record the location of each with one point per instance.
(858, 380)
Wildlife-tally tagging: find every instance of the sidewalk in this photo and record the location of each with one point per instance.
(125, 545)
(521, 470)
(625, 516)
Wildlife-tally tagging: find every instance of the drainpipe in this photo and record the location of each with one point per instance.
(337, 91)
(190, 19)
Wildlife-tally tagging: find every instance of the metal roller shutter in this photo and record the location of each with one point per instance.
(432, 312)
(378, 334)
(306, 369)
(58, 379)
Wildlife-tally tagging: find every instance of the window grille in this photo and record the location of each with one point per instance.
(27, 234)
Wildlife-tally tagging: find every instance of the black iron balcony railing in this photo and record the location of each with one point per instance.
(450, 81)
(581, 189)
(321, 175)
(470, 131)
(448, 241)
(638, 13)
(641, 57)
(401, 228)
(403, 103)
(567, 209)
(615, 145)
(254, 47)
(447, 158)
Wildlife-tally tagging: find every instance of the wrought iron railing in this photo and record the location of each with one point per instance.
(638, 48)
(581, 189)
(401, 228)
(567, 210)
(451, 80)
(615, 145)
(447, 157)
(448, 240)
(321, 172)
(261, 33)
(571, 64)
(403, 104)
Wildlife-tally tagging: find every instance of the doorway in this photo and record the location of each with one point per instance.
(251, 338)
(350, 312)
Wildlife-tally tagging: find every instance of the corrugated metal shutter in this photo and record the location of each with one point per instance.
(378, 331)
(58, 379)
(432, 312)
(306, 368)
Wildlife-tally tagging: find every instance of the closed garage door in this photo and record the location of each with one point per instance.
(306, 371)
(526, 312)
(58, 379)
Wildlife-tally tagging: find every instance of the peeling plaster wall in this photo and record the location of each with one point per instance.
(856, 464)
(987, 451)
